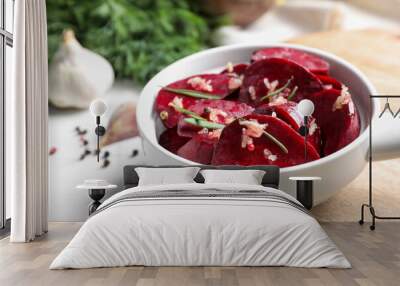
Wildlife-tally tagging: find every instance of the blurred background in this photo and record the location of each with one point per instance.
(110, 48)
(139, 37)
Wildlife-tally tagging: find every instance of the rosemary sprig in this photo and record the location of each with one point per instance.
(191, 93)
(278, 91)
(204, 123)
(293, 93)
(187, 112)
(276, 141)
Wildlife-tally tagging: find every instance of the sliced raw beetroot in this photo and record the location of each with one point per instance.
(273, 83)
(266, 76)
(218, 111)
(214, 84)
(337, 117)
(197, 150)
(288, 112)
(308, 61)
(171, 141)
(236, 147)
(329, 82)
(237, 69)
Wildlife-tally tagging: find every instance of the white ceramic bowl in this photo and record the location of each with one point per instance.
(336, 170)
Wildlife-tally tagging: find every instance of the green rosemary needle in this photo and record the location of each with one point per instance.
(277, 142)
(293, 93)
(204, 123)
(187, 112)
(278, 91)
(192, 93)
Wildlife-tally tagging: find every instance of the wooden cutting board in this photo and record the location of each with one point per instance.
(375, 52)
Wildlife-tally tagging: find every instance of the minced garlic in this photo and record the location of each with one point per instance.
(252, 92)
(234, 83)
(215, 114)
(343, 99)
(270, 85)
(272, 158)
(253, 128)
(313, 127)
(203, 131)
(245, 139)
(277, 100)
(215, 134)
(199, 83)
(268, 155)
(229, 119)
(351, 108)
(229, 67)
(176, 102)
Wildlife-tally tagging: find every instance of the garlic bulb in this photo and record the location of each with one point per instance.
(77, 75)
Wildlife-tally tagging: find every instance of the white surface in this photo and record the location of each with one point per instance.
(219, 231)
(66, 170)
(249, 177)
(305, 178)
(337, 169)
(164, 176)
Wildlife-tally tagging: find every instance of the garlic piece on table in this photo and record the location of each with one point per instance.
(77, 75)
(122, 124)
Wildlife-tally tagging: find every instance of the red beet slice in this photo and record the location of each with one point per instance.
(218, 111)
(308, 61)
(229, 150)
(171, 141)
(256, 76)
(288, 113)
(337, 117)
(197, 150)
(237, 69)
(329, 82)
(215, 84)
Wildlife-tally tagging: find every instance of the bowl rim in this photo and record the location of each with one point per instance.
(331, 57)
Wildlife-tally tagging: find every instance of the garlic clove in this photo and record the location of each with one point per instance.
(122, 124)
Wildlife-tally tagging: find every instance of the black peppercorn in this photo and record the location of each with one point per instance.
(135, 153)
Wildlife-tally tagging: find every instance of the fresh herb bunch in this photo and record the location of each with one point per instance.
(138, 37)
